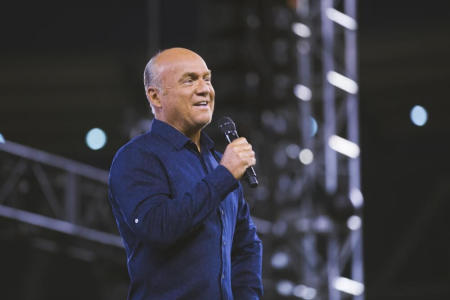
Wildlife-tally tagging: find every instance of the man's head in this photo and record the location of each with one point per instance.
(178, 87)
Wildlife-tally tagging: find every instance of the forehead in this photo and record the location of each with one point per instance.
(175, 67)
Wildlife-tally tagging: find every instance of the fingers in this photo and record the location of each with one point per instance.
(240, 140)
(245, 151)
(241, 144)
(247, 160)
(238, 156)
(250, 161)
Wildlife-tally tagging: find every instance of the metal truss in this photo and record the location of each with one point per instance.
(330, 251)
(55, 193)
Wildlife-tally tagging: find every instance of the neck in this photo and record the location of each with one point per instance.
(193, 134)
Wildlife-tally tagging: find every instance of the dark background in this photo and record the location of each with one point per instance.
(66, 67)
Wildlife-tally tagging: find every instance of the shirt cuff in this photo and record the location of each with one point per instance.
(222, 180)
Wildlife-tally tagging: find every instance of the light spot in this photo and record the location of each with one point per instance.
(280, 260)
(95, 139)
(306, 156)
(284, 287)
(354, 223)
(419, 115)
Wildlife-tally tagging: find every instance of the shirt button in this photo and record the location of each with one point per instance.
(136, 220)
(223, 276)
(224, 243)
(222, 212)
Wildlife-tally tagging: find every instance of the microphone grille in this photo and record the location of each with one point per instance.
(226, 124)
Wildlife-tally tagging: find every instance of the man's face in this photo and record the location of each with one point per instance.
(186, 94)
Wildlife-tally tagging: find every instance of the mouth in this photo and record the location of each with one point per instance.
(201, 103)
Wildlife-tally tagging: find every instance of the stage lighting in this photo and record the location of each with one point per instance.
(356, 197)
(348, 286)
(343, 146)
(419, 115)
(292, 151)
(302, 92)
(304, 292)
(280, 260)
(314, 126)
(306, 156)
(354, 223)
(341, 19)
(342, 82)
(285, 287)
(301, 30)
(2, 139)
(95, 139)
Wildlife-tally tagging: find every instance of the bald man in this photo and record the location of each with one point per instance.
(178, 203)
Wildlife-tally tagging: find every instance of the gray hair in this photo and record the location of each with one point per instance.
(151, 77)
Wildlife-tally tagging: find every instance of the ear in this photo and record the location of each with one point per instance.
(153, 96)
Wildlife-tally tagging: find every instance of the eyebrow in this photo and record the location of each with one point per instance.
(195, 75)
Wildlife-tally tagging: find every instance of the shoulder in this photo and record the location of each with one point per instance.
(133, 146)
(138, 150)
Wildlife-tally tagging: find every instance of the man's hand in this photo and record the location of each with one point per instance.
(238, 157)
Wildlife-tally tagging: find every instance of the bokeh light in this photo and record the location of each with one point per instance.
(306, 156)
(285, 287)
(419, 115)
(280, 260)
(314, 126)
(96, 138)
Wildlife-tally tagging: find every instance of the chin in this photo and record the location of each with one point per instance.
(203, 122)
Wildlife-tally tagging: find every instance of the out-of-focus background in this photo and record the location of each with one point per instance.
(345, 102)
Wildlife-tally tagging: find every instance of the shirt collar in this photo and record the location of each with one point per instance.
(175, 137)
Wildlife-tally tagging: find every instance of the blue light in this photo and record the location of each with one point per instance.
(2, 139)
(419, 115)
(280, 260)
(314, 126)
(95, 139)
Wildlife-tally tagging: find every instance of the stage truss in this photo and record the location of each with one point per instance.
(329, 220)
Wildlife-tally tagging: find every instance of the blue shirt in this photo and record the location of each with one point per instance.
(183, 219)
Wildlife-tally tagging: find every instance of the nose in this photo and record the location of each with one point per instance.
(203, 87)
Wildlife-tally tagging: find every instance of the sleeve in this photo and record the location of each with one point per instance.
(140, 188)
(246, 256)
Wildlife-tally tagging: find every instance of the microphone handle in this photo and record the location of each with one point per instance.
(250, 172)
(251, 177)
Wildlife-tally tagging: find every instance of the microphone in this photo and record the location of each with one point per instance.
(227, 126)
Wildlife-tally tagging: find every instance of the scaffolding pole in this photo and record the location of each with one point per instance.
(327, 30)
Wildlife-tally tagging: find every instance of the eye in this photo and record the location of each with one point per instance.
(188, 81)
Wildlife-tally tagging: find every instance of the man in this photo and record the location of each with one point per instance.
(178, 204)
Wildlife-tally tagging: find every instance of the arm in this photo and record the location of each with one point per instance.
(246, 256)
(140, 187)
